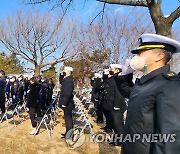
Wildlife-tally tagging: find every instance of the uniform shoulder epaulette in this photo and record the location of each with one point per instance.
(172, 76)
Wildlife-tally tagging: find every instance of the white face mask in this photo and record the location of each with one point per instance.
(137, 63)
(12, 80)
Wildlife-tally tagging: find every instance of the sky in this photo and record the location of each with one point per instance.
(84, 12)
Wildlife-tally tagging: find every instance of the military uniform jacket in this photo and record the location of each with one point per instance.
(124, 84)
(15, 88)
(154, 108)
(112, 96)
(2, 86)
(95, 97)
(21, 86)
(33, 99)
(66, 94)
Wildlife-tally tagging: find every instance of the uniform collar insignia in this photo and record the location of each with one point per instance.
(170, 74)
(155, 73)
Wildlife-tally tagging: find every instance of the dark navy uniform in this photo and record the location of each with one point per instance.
(2, 94)
(51, 86)
(8, 89)
(113, 99)
(96, 98)
(112, 96)
(15, 91)
(26, 87)
(66, 101)
(154, 109)
(124, 84)
(33, 101)
(21, 89)
(42, 95)
(107, 113)
(46, 93)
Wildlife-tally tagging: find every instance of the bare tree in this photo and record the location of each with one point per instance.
(163, 24)
(116, 36)
(38, 39)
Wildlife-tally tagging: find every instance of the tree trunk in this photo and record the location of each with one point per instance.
(162, 24)
(37, 70)
(163, 28)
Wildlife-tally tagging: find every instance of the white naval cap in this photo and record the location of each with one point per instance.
(116, 66)
(68, 68)
(106, 71)
(152, 41)
(97, 75)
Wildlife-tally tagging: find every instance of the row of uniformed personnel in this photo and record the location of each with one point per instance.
(153, 106)
(37, 91)
(108, 97)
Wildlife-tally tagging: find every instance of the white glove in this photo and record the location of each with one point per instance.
(63, 106)
(27, 109)
(24, 93)
(14, 96)
(116, 108)
(126, 69)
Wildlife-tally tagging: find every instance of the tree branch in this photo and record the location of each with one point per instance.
(159, 2)
(174, 15)
(55, 61)
(37, 1)
(126, 2)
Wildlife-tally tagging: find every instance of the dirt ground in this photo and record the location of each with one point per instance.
(18, 141)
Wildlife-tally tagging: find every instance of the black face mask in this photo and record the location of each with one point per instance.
(64, 73)
(111, 72)
(61, 77)
(105, 76)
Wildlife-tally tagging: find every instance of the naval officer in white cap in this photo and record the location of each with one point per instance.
(153, 119)
(114, 102)
(66, 98)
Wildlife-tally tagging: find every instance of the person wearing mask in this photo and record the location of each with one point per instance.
(153, 109)
(51, 87)
(2, 91)
(95, 97)
(21, 88)
(14, 90)
(33, 102)
(124, 79)
(109, 124)
(8, 88)
(66, 102)
(26, 87)
(115, 103)
(46, 89)
(42, 94)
